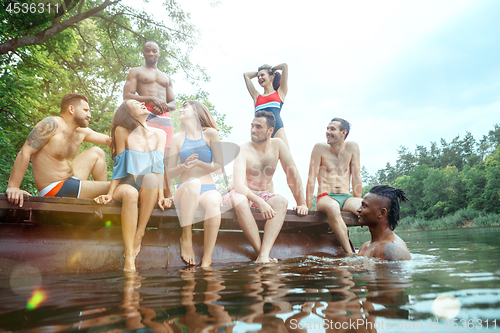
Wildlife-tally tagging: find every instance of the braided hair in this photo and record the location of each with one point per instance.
(272, 71)
(393, 194)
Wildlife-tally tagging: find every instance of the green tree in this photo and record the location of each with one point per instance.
(413, 185)
(406, 161)
(474, 179)
(442, 192)
(442, 180)
(89, 49)
(489, 142)
(492, 188)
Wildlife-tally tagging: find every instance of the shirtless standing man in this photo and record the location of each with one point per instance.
(334, 164)
(147, 84)
(380, 212)
(253, 171)
(52, 146)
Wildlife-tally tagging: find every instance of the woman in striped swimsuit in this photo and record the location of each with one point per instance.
(198, 147)
(275, 90)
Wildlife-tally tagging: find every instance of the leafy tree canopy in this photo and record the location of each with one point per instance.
(88, 48)
(442, 180)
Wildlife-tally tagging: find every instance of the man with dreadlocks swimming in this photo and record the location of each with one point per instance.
(334, 164)
(380, 212)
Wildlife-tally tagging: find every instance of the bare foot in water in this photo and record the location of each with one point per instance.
(129, 264)
(206, 263)
(137, 244)
(265, 260)
(187, 252)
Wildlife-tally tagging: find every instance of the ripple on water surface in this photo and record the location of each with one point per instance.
(315, 294)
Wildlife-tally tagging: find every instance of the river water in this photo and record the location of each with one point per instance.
(452, 284)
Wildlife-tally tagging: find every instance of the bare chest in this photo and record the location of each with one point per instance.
(338, 165)
(153, 76)
(141, 140)
(63, 146)
(261, 165)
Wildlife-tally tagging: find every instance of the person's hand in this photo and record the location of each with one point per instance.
(196, 163)
(103, 199)
(266, 210)
(15, 195)
(156, 110)
(188, 163)
(165, 203)
(301, 210)
(160, 103)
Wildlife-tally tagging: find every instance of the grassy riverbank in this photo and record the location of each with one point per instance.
(463, 218)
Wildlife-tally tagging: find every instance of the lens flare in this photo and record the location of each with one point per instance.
(37, 297)
(108, 223)
(445, 306)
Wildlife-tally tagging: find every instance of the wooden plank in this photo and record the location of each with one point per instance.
(167, 216)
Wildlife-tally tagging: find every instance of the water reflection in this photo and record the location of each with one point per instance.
(355, 304)
(265, 290)
(305, 294)
(197, 318)
(293, 296)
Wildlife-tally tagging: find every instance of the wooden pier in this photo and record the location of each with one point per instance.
(53, 235)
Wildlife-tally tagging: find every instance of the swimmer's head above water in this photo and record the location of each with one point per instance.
(393, 197)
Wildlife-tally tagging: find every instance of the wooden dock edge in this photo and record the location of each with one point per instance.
(66, 235)
(97, 214)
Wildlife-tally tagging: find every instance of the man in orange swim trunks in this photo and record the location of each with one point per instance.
(52, 146)
(147, 84)
(334, 164)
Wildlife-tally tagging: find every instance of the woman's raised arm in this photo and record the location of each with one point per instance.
(283, 89)
(251, 88)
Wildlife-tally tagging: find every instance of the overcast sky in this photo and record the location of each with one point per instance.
(402, 72)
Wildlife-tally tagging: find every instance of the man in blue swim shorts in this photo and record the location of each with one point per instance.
(334, 164)
(52, 146)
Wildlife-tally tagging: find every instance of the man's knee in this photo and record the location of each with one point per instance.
(352, 205)
(278, 202)
(330, 207)
(240, 202)
(97, 152)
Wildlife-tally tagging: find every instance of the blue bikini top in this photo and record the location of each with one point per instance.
(137, 163)
(200, 147)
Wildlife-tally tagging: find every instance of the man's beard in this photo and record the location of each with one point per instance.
(256, 140)
(81, 122)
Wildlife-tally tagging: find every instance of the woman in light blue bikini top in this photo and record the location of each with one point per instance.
(138, 154)
(198, 147)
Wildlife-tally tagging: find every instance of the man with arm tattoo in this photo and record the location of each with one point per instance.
(52, 146)
(380, 212)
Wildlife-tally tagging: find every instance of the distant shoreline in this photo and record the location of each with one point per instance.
(463, 218)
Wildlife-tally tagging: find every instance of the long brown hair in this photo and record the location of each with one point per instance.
(206, 119)
(124, 118)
